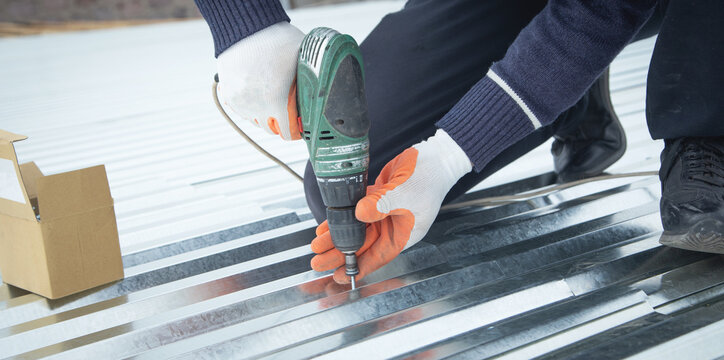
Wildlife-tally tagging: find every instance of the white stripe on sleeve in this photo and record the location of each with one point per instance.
(518, 100)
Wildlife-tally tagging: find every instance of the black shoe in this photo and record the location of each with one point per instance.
(692, 194)
(590, 137)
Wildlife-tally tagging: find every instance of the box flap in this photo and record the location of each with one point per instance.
(73, 192)
(31, 173)
(13, 198)
(10, 137)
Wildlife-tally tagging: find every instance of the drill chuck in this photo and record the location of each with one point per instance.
(350, 264)
(348, 233)
(341, 194)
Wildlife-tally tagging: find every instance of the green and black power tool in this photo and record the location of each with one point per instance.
(333, 110)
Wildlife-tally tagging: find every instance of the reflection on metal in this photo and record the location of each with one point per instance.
(578, 272)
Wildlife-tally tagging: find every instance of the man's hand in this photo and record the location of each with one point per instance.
(400, 207)
(257, 79)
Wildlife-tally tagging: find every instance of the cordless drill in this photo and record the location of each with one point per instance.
(333, 110)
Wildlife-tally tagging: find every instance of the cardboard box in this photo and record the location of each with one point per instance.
(58, 233)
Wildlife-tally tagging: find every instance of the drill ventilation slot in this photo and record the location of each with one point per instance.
(325, 135)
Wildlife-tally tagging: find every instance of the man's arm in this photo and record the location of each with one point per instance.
(233, 20)
(545, 71)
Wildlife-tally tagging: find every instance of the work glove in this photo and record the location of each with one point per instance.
(400, 207)
(257, 79)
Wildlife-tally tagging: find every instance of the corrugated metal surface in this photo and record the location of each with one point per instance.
(217, 257)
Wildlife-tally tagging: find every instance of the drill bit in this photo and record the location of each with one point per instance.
(351, 269)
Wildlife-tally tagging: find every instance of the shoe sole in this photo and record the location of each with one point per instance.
(705, 236)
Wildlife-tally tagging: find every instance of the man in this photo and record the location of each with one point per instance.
(429, 76)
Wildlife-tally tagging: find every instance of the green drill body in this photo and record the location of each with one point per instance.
(331, 151)
(333, 110)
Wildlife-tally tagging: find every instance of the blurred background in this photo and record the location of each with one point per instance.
(27, 17)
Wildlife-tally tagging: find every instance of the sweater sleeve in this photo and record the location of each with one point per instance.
(545, 71)
(233, 20)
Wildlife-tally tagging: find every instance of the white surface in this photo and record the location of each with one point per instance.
(10, 188)
(138, 100)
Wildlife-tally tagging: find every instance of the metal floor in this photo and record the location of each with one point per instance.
(217, 259)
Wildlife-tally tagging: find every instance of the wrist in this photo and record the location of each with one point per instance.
(249, 17)
(486, 121)
(281, 35)
(453, 160)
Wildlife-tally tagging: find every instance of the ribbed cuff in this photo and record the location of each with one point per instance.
(233, 20)
(485, 122)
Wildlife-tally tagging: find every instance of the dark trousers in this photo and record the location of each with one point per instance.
(421, 60)
(684, 94)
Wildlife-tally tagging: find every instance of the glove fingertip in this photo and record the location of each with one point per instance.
(322, 244)
(273, 125)
(321, 263)
(316, 248)
(329, 260)
(322, 228)
(315, 264)
(341, 278)
(366, 210)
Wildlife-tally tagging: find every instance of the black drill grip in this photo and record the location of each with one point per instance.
(348, 233)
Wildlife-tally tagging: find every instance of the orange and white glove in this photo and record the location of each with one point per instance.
(400, 207)
(257, 79)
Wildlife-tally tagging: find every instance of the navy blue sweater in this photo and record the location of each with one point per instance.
(546, 70)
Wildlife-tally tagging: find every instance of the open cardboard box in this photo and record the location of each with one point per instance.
(58, 233)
